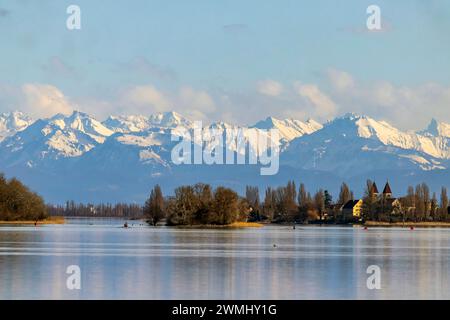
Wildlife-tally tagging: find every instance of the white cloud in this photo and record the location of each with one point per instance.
(43, 100)
(196, 103)
(323, 105)
(270, 88)
(409, 107)
(340, 80)
(147, 99)
(146, 96)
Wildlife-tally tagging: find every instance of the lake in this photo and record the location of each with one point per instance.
(274, 262)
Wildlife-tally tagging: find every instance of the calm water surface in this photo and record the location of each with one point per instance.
(273, 262)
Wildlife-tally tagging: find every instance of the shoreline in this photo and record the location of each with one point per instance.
(424, 224)
(49, 220)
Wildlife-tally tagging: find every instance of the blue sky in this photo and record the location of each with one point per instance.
(232, 60)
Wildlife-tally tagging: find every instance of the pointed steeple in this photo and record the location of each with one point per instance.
(387, 192)
(374, 188)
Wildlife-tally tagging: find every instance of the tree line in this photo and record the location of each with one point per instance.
(17, 202)
(289, 204)
(72, 209)
(200, 204)
(196, 205)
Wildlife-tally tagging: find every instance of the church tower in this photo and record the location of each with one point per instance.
(387, 192)
(375, 189)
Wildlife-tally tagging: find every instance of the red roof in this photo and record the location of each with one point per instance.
(374, 188)
(387, 189)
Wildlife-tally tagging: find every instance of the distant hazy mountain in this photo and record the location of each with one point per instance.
(78, 157)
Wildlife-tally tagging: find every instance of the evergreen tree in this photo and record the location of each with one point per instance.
(328, 199)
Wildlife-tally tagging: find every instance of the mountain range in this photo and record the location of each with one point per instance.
(76, 157)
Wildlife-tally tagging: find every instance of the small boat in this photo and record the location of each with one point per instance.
(125, 225)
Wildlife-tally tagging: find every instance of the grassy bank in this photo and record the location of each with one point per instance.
(409, 224)
(216, 226)
(245, 225)
(49, 220)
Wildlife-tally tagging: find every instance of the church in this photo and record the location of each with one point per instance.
(386, 203)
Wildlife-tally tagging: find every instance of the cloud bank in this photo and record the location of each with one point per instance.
(337, 92)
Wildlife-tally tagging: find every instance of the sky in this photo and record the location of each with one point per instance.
(231, 60)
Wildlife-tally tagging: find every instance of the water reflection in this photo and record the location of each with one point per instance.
(269, 263)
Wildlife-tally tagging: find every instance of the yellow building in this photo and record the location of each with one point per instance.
(352, 209)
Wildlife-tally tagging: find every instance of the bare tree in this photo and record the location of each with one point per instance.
(154, 206)
(345, 194)
(444, 204)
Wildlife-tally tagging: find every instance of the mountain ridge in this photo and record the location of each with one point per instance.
(121, 157)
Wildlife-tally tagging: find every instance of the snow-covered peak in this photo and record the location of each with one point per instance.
(57, 137)
(353, 126)
(13, 122)
(352, 116)
(127, 124)
(82, 122)
(289, 129)
(168, 120)
(220, 125)
(437, 129)
(140, 123)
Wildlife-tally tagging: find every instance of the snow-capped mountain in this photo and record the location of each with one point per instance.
(140, 123)
(54, 138)
(13, 122)
(437, 129)
(169, 120)
(120, 158)
(127, 124)
(352, 144)
(289, 129)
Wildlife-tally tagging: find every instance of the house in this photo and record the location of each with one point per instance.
(352, 209)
